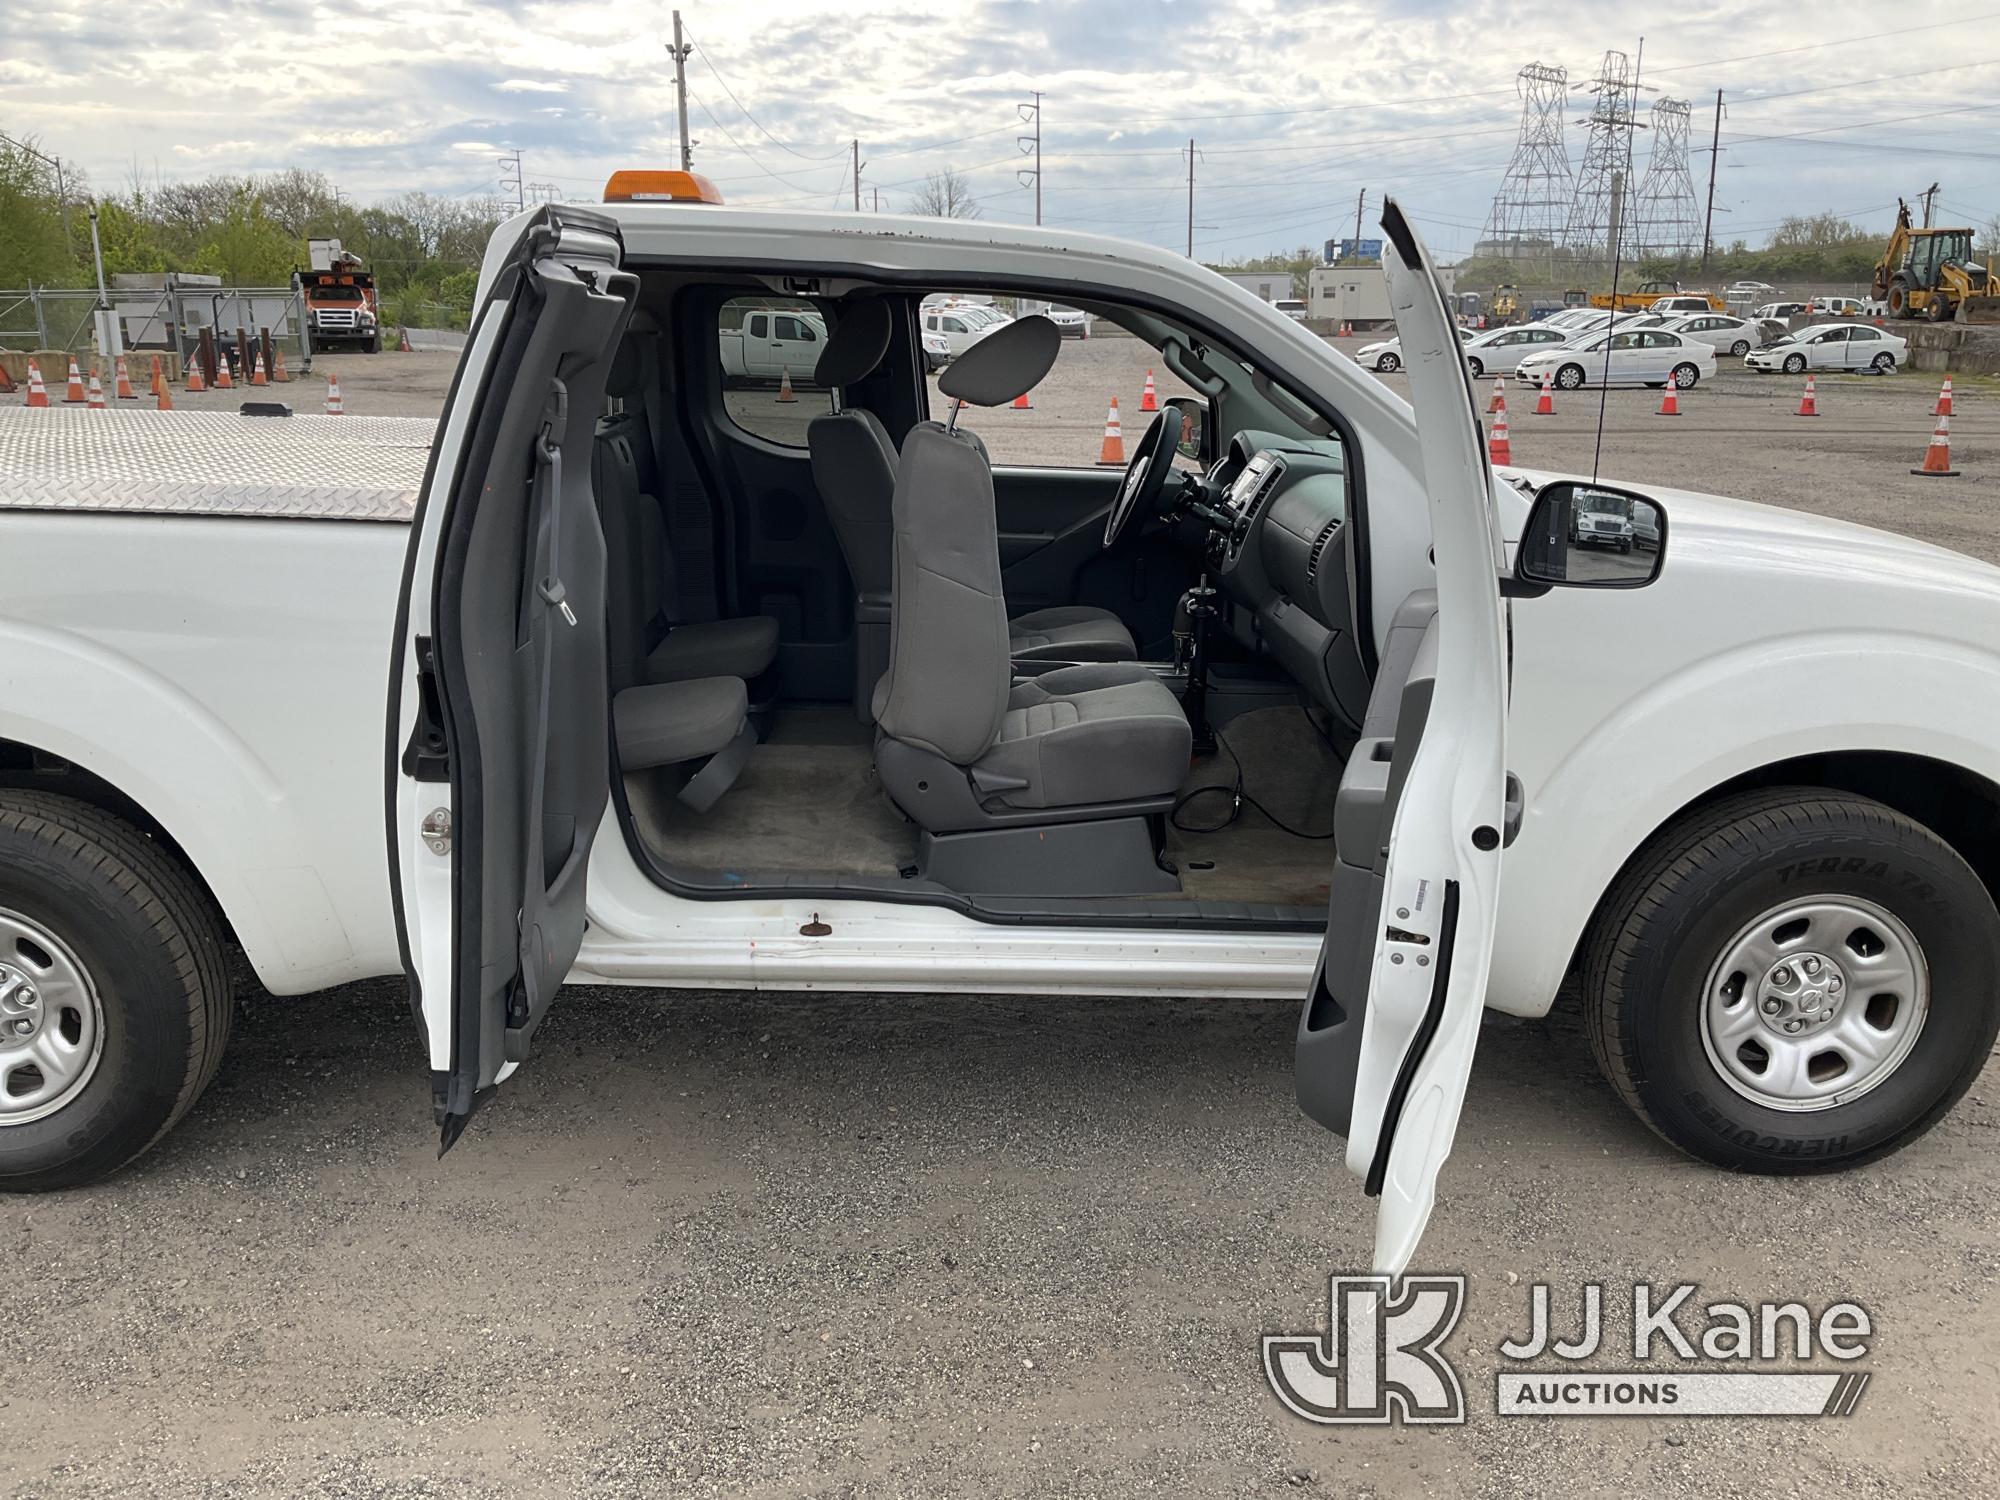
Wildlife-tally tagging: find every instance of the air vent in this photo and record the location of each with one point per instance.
(1319, 546)
(1267, 484)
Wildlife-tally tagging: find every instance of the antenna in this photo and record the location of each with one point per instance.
(1618, 180)
(1531, 209)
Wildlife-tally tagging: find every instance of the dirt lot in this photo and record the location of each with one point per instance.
(832, 1246)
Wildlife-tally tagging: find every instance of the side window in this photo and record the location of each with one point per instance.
(1861, 335)
(770, 348)
(1626, 341)
(954, 325)
(1063, 424)
(1834, 336)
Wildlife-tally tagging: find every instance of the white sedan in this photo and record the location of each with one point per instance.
(1832, 346)
(962, 327)
(1499, 351)
(1721, 331)
(1385, 356)
(1633, 356)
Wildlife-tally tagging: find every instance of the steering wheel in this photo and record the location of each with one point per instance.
(1146, 475)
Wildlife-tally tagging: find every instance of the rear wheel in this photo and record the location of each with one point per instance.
(1740, 348)
(1899, 299)
(114, 1000)
(1884, 363)
(1794, 980)
(1685, 377)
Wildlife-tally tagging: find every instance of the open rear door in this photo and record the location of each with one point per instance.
(1386, 1039)
(500, 737)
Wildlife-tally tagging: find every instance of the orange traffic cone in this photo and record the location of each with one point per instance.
(403, 344)
(166, 402)
(278, 371)
(75, 395)
(1937, 457)
(123, 374)
(6, 382)
(1149, 399)
(195, 384)
(333, 406)
(785, 387)
(1498, 449)
(159, 381)
(1670, 405)
(1022, 403)
(224, 380)
(38, 394)
(1113, 450)
(1545, 404)
(1809, 402)
(1498, 400)
(1943, 407)
(96, 401)
(257, 366)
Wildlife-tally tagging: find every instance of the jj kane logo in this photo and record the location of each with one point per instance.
(1382, 1360)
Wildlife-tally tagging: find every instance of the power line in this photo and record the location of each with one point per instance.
(695, 42)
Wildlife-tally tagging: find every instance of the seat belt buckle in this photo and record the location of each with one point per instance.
(553, 593)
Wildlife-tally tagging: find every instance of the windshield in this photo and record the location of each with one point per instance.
(334, 293)
(1598, 503)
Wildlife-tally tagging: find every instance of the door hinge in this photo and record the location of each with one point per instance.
(436, 830)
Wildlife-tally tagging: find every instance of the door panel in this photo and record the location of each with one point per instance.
(1420, 810)
(508, 770)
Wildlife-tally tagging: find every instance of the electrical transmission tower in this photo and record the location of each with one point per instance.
(1664, 219)
(1598, 208)
(1531, 210)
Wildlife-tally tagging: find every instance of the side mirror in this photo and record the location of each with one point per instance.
(1192, 419)
(1591, 536)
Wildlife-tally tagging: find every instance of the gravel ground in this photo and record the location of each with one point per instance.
(848, 1245)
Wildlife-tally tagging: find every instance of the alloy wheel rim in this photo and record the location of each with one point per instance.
(1815, 1003)
(51, 1022)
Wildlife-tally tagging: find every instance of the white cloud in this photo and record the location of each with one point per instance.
(531, 86)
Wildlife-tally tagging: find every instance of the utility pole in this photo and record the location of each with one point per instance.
(1928, 194)
(1617, 215)
(1714, 156)
(1360, 202)
(1032, 114)
(110, 344)
(857, 176)
(878, 199)
(680, 50)
(1190, 234)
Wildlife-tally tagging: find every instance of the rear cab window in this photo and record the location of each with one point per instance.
(770, 349)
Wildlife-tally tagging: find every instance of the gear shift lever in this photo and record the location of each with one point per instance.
(1191, 617)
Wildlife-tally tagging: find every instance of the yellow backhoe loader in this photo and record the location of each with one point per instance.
(1931, 273)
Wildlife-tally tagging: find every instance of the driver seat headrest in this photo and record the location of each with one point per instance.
(855, 348)
(1008, 362)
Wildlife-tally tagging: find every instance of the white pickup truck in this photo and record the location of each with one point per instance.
(768, 344)
(618, 691)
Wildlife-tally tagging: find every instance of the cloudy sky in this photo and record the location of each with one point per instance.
(1294, 107)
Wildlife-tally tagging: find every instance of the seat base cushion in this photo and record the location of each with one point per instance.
(715, 648)
(1102, 732)
(1070, 632)
(668, 723)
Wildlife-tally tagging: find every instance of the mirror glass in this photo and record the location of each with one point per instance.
(1591, 536)
(1188, 444)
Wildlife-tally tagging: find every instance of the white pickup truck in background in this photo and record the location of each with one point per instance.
(1749, 791)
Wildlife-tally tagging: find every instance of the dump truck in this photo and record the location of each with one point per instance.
(1931, 273)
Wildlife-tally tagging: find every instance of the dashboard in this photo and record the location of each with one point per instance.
(1282, 564)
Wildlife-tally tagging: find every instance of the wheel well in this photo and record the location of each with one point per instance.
(1959, 806)
(25, 767)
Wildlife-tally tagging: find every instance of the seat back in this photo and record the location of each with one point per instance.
(949, 670)
(853, 460)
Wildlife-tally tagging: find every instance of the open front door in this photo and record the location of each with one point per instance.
(1385, 1042)
(501, 744)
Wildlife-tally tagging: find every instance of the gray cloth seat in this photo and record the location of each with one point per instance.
(666, 724)
(1100, 736)
(649, 641)
(854, 465)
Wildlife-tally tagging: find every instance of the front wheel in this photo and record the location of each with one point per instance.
(1794, 364)
(1570, 377)
(114, 1000)
(1794, 980)
(1387, 364)
(1478, 369)
(1685, 377)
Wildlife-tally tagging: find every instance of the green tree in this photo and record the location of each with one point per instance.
(248, 248)
(31, 225)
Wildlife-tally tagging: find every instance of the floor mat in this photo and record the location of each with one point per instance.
(798, 808)
(1289, 768)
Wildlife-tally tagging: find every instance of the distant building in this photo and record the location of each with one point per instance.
(1358, 294)
(1266, 286)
